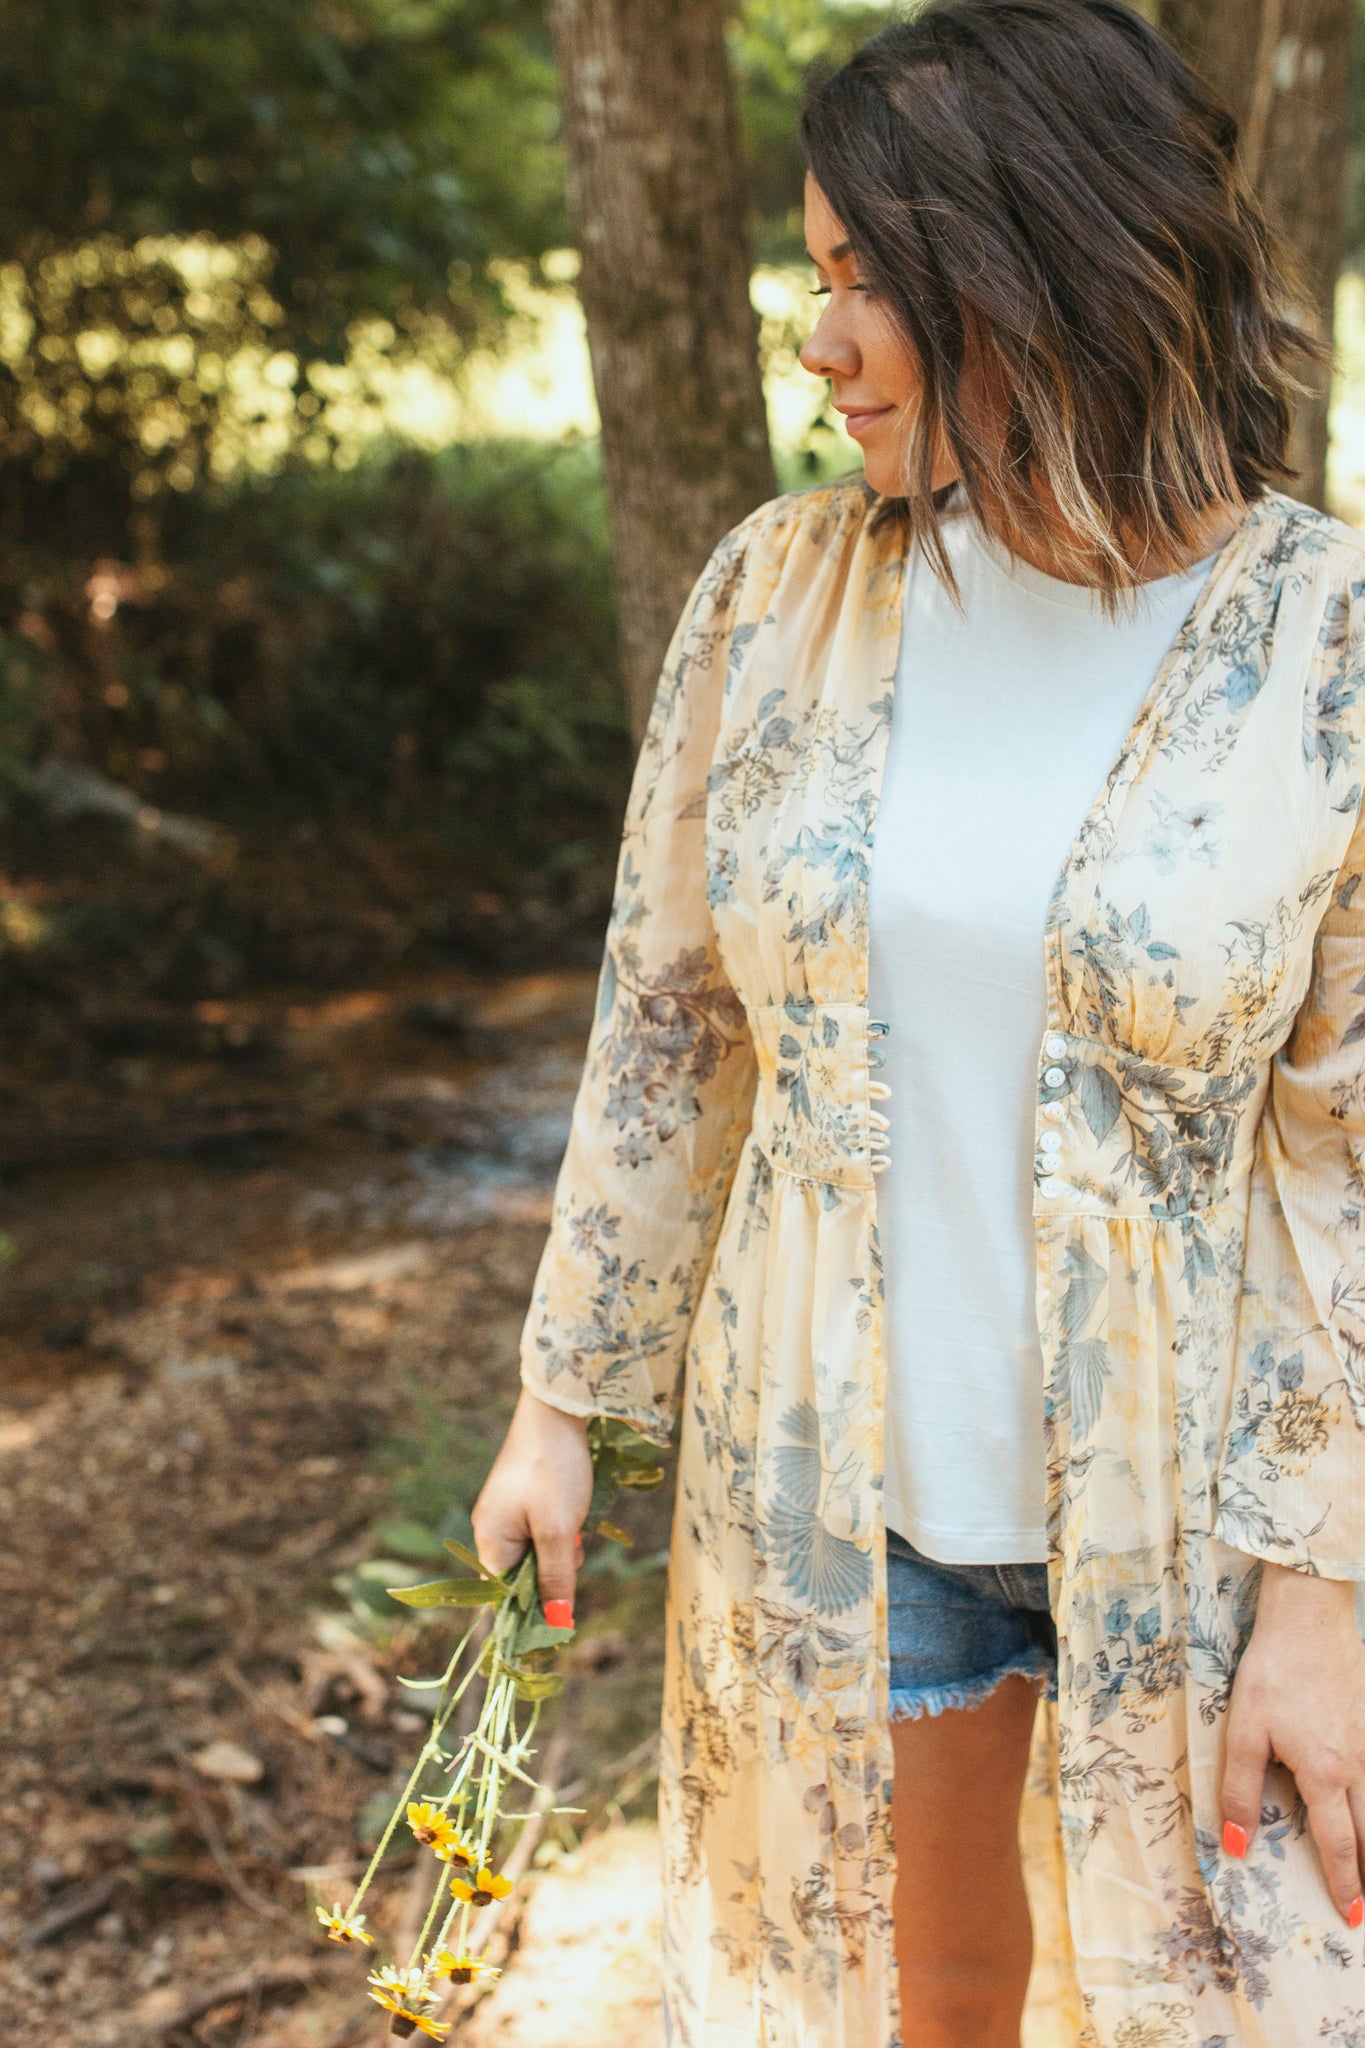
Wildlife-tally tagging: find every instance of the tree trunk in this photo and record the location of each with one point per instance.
(658, 202)
(1284, 65)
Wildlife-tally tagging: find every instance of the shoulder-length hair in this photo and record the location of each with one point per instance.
(1044, 190)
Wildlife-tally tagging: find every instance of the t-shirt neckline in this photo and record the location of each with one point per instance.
(1081, 597)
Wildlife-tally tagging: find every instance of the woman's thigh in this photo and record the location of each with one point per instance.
(971, 1648)
(964, 1940)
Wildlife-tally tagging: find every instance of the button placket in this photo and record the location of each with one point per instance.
(1049, 1143)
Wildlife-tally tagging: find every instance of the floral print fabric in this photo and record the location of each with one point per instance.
(1200, 1247)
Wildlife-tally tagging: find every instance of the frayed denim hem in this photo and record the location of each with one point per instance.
(911, 1703)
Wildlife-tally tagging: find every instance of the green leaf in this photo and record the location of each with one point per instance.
(410, 1539)
(524, 1584)
(470, 1558)
(538, 1685)
(533, 1632)
(609, 1529)
(449, 1593)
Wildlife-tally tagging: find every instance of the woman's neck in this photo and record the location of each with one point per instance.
(1202, 537)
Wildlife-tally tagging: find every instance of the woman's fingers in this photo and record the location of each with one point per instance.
(1334, 1831)
(555, 1561)
(539, 1490)
(1244, 1767)
(1355, 1908)
(500, 1539)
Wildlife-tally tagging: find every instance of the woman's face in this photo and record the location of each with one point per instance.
(876, 385)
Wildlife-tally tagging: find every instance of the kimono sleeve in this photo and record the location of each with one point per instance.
(666, 1095)
(1291, 1477)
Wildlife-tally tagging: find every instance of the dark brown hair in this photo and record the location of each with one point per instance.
(1045, 188)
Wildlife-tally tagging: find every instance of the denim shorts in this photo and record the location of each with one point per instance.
(957, 1629)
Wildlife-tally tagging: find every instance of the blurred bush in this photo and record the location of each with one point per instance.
(403, 673)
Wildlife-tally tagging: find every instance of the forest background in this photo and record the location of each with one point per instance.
(309, 662)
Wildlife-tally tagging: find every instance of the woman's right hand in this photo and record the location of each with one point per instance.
(538, 1492)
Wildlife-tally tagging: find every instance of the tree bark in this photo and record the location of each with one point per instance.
(657, 197)
(1284, 66)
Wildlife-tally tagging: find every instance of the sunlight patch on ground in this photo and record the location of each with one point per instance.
(586, 1966)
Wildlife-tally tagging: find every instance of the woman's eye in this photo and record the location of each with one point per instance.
(819, 291)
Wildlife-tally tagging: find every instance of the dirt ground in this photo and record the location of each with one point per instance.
(232, 1360)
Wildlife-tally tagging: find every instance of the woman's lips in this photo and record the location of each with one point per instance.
(860, 420)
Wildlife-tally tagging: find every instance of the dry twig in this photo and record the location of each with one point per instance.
(81, 1902)
(290, 1973)
(218, 1849)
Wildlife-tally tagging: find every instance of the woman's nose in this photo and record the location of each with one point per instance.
(828, 353)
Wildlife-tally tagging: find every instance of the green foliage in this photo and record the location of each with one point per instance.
(1354, 240)
(774, 44)
(382, 148)
(325, 658)
(210, 212)
(199, 195)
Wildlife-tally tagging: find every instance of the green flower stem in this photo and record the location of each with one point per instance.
(415, 1956)
(430, 1748)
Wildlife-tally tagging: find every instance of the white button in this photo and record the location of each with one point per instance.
(1051, 1186)
(1054, 1045)
(1054, 1109)
(1053, 1077)
(1051, 1141)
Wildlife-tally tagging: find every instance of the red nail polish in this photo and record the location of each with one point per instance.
(559, 1613)
(1355, 1913)
(1234, 1839)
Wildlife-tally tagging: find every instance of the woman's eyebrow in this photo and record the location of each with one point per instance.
(835, 255)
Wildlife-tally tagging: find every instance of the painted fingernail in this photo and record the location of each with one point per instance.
(559, 1613)
(1234, 1839)
(1355, 1913)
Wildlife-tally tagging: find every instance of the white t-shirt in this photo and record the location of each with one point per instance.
(1007, 720)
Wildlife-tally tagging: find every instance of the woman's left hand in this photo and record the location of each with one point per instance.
(1299, 1696)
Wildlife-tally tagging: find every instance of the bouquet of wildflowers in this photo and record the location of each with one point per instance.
(463, 1828)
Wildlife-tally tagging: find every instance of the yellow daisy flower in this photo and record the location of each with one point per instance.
(395, 1987)
(344, 1926)
(432, 1826)
(481, 1890)
(463, 1969)
(456, 1849)
(399, 1991)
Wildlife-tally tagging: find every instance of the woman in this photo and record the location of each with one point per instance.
(1102, 1431)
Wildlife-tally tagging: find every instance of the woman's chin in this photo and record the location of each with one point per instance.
(883, 472)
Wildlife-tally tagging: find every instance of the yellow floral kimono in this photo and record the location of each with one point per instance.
(1200, 1277)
